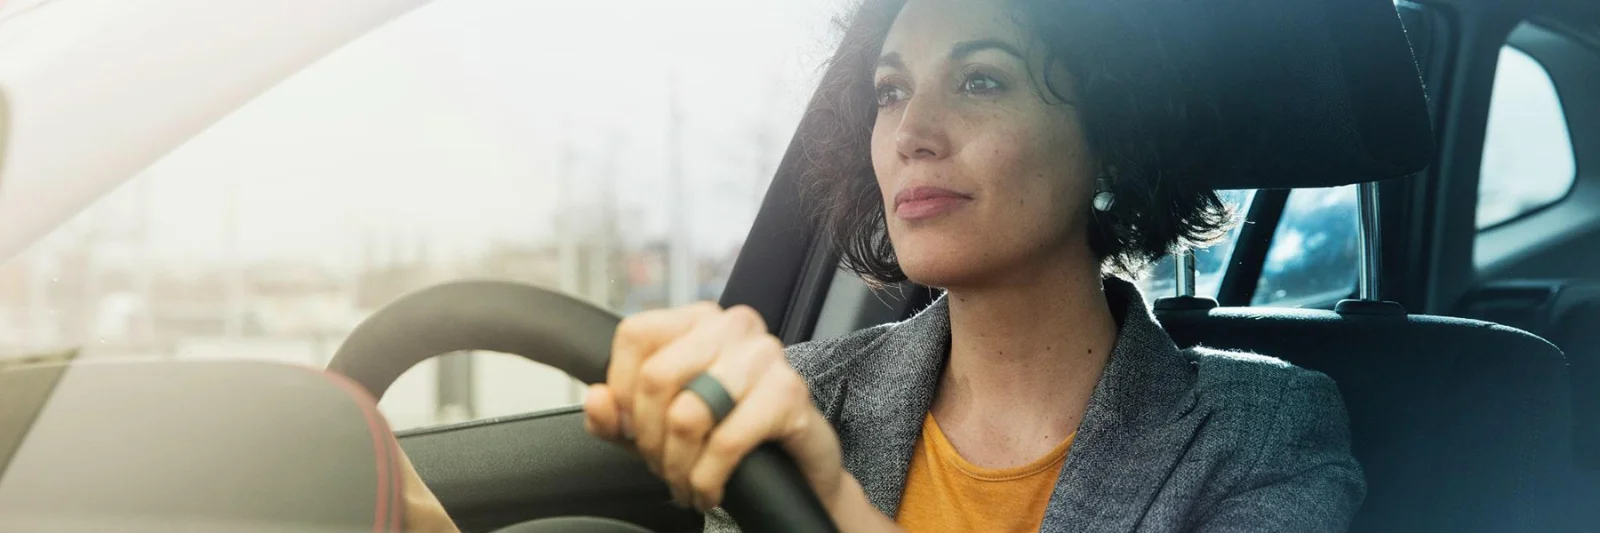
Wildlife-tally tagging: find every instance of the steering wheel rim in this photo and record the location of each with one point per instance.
(767, 492)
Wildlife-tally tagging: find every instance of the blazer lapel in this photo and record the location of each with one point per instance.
(1132, 435)
(1134, 429)
(882, 413)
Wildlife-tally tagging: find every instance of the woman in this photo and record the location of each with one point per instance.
(1012, 152)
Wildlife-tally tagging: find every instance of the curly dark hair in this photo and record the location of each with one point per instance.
(1141, 112)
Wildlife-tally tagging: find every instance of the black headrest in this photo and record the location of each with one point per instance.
(1313, 93)
(193, 446)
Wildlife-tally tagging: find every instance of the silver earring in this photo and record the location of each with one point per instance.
(1104, 199)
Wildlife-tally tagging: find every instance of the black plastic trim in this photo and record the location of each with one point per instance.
(772, 265)
(805, 305)
(1250, 250)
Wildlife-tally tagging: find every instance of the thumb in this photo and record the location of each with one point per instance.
(811, 441)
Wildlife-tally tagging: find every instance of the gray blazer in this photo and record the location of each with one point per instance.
(1191, 440)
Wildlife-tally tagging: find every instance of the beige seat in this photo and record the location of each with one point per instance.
(192, 446)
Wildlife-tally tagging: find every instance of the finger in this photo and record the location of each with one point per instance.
(638, 337)
(664, 374)
(642, 334)
(600, 416)
(772, 405)
(689, 419)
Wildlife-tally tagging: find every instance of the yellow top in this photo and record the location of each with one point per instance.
(946, 493)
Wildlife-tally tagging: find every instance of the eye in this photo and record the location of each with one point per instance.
(980, 84)
(890, 94)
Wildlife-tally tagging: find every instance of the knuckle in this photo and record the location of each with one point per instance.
(799, 425)
(704, 482)
(655, 377)
(687, 420)
(768, 345)
(744, 316)
(790, 384)
(703, 308)
(757, 350)
(631, 326)
(725, 445)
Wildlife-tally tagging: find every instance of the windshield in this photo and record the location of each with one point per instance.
(615, 150)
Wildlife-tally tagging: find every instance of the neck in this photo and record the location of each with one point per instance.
(1029, 351)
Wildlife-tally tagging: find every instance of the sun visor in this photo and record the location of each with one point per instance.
(1311, 93)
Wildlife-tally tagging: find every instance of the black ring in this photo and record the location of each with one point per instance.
(714, 394)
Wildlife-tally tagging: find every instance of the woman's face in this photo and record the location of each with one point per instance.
(981, 177)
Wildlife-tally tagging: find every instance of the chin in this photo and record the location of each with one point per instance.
(938, 268)
(940, 280)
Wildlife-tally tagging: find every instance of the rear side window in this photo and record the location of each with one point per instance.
(1528, 161)
(1313, 258)
(1159, 280)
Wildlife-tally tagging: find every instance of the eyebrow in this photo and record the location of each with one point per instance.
(958, 52)
(966, 48)
(891, 60)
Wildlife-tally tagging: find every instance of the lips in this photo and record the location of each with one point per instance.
(921, 203)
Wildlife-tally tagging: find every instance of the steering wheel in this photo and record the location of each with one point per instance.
(767, 491)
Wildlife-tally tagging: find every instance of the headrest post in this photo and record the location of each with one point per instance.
(1183, 263)
(1370, 243)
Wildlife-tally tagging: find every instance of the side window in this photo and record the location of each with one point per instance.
(1528, 160)
(1211, 263)
(553, 144)
(1313, 255)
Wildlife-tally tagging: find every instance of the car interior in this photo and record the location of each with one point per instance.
(165, 462)
(1468, 356)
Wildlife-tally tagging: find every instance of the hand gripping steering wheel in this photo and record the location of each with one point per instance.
(767, 492)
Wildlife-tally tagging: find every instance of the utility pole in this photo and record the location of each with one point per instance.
(602, 266)
(681, 278)
(566, 223)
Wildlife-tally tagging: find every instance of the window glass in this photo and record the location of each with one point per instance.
(1313, 255)
(1527, 152)
(560, 144)
(1211, 263)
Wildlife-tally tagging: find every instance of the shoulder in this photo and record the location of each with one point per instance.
(1279, 438)
(1276, 424)
(1246, 385)
(1260, 406)
(824, 363)
(822, 357)
(829, 357)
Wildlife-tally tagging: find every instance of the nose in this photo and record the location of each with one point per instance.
(922, 134)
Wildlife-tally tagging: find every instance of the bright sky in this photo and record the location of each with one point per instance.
(447, 125)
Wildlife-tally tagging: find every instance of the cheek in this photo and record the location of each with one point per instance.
(1024, 167)
(1035, 169)
(885, 160)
